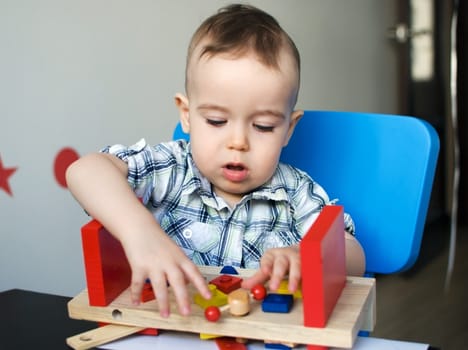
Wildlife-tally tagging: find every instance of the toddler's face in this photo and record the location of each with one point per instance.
(239, 114)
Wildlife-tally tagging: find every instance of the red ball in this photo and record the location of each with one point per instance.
(212, 313)
(259, 292)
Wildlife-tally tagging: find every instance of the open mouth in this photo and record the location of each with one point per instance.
(235, 167)
(235, 172)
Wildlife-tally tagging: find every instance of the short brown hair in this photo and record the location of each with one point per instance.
(239, 28)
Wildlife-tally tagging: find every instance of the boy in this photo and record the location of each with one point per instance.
(223, 198)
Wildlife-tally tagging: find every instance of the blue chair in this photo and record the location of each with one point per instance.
(380, 168)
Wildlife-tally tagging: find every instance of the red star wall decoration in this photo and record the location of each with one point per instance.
(63, 159)
(5, 173)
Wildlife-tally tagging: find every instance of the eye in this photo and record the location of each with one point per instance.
(264, 128)
(215, 122)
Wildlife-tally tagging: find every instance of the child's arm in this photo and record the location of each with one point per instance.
(278, 263)
(99, 183)
(355, 257)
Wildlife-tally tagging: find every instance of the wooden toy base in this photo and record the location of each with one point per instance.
(354, 311)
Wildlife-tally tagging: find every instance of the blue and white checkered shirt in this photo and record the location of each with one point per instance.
(275, 215)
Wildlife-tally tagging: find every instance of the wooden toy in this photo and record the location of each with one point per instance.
(279, 303)
(284, 289)
(323, 263)
(229, 344)
(258, 292)
(226, 283)
(218, 298)
(106, 266)
(228, 270)
(147, 293)
(146, 331)
(351, 309)
(238, 303)
(277, 346)
(212, 313)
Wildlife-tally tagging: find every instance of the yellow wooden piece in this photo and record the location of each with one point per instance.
(283, 289)
(354, 311)
(206, 336)
(218, 298)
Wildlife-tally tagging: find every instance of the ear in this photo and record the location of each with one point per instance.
(182, 104)
(295, 117)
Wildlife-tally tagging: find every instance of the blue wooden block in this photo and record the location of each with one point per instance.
(228, 270)
(277, 346)
(279, 303)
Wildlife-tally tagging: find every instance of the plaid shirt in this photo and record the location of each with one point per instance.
(275, 215)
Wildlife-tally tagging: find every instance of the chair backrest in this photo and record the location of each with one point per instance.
(380, 168)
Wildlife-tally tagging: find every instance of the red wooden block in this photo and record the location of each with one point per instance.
(149, 331)
(226, 343)
(147, 293)
(323, 266)
(227, 283)
(107, 270)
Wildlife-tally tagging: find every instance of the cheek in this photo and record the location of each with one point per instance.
(270, 145)
(203, 153)
(269, 154)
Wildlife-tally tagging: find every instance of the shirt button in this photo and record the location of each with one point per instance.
(187, 233)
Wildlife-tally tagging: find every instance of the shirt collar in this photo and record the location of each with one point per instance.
(274, 189)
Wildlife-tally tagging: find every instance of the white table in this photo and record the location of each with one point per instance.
(179, 340)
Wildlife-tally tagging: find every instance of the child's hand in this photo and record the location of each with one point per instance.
(275, 264)
(157, 257)
(99, 183)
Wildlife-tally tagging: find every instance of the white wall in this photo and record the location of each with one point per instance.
(87, 73)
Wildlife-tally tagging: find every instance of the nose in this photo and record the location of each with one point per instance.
(238, 139)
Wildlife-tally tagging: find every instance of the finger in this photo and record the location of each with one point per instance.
(263, 274)
(193, 273)
(280, 269)
(136, 287)
(267, 262)
(258, 278)
(179, 288)
(294, 274)
(159, 283)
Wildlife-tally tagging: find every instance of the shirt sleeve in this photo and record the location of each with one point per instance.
(150, 168)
